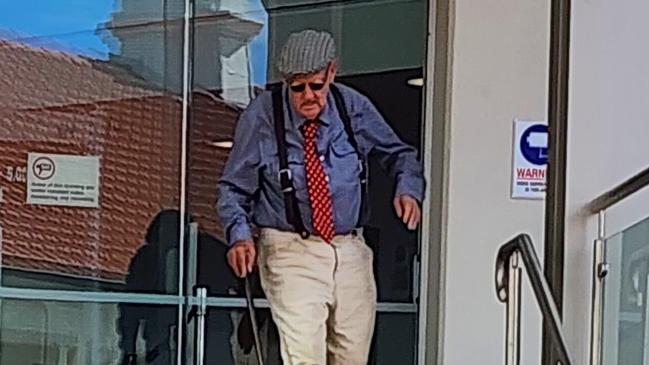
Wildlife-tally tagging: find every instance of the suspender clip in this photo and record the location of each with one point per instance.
(285, 178)
(285, 173)
(363, 175)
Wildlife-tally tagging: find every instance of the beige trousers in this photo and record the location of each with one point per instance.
(322, 296)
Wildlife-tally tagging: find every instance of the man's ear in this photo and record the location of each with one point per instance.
(332, 70)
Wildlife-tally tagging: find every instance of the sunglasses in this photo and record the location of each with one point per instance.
(298, 87)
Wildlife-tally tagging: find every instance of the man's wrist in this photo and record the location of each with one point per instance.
(243, 242)
(409, 195)
(239, 232)
(409, 187)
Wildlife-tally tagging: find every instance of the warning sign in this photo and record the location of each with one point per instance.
(66, 180)
(530, 160)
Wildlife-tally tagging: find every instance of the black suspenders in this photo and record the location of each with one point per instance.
(347, 122)
(293, 215)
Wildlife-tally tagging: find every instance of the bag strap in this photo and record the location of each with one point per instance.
(293, 215)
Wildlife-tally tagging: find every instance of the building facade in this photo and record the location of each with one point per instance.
(115, 124)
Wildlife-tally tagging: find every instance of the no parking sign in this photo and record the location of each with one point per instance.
(530, 159)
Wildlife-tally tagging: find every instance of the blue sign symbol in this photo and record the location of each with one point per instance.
(534, 144)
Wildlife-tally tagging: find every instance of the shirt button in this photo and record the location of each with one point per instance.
(327, 178)
(322, 157)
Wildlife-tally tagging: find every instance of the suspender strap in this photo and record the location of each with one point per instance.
(293, 215)
(347, 122)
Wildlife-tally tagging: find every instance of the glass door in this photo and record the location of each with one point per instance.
(91, 116)
(233, 60)
(115, 123)
(228, 41)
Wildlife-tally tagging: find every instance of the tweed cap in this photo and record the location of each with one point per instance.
(305, 52)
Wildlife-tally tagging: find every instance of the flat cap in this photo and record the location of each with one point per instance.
(305, 52)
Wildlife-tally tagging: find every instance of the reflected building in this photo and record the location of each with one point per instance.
(97, 109)
(151, 45)
(127, 111)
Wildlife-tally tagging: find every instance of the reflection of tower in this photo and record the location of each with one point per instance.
(148, 40)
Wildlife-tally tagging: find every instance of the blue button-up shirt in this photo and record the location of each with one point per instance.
(249, 187)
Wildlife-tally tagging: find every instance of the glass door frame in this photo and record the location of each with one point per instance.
(421, 267)
(184, 299)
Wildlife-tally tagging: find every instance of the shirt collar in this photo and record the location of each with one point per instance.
(325, 119)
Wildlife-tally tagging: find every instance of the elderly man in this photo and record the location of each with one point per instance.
(298, 171)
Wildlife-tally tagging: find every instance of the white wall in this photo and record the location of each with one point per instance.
(608, 134)
(499, 73)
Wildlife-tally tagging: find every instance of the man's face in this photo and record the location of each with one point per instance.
(309, 92)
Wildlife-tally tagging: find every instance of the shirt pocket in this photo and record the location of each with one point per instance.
(343, 165)
(295, 165)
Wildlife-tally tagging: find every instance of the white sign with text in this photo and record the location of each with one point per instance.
(530, 160)
(66, 180)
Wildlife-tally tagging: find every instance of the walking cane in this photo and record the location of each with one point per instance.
(253, 320)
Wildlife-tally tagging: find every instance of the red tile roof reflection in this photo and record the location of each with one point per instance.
(52, 102)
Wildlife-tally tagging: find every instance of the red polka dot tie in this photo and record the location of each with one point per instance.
(318, 186)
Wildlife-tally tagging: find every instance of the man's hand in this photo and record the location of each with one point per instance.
(407, 209)
(242, 257)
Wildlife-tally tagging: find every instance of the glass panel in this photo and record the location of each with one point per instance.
(363, 31)
(393, 244)
(367, 40)
(229, 340)
(90, 129)
(626, 316)
(228, 36)
(235, 51)
(78, 333)
(212, 270)
(395, 339)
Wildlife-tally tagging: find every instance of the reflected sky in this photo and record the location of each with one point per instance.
(67, 26)
(70, 26)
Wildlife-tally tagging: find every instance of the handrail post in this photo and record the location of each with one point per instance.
(201, 312)
(600, 269)
(512, 257)
(513, 345)
(645, 352)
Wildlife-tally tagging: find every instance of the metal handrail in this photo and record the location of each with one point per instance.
(599, 206)
(522, 246)
(620, 192)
